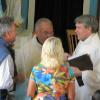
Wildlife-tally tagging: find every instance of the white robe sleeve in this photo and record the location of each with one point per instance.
(92, 78)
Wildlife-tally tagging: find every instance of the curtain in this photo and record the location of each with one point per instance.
(24, 11)
(14, 10)
(4, 6)
(10, 7)
(1, 10)
(98, 10)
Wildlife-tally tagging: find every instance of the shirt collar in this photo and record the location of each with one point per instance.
(38, 41)
(88, 39)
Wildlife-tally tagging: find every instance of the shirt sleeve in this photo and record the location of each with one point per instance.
(32, 75)
(92, 78)
(10, 65)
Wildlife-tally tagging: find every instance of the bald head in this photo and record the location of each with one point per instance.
(43, 29)
(40, 21)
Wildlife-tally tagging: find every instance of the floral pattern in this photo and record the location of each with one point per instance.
(49, 83)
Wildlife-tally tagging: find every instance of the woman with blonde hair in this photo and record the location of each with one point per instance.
(52, 79)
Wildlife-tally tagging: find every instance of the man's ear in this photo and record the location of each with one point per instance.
(7, 36)
(33, 33)
(90, 29)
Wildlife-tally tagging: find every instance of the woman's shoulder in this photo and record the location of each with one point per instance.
(64, 66)
(36, 67)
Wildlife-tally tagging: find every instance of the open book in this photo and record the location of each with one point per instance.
(82, 62)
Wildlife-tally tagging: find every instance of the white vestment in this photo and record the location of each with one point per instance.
(28, 55)
(90, 78)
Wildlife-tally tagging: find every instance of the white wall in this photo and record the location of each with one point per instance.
(86, 6)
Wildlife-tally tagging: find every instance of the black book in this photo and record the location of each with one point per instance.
(82, 62)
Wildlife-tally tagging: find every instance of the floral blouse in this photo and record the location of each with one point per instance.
(50, 82)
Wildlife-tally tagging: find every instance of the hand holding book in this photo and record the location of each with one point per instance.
(82, 62)
(77, 71)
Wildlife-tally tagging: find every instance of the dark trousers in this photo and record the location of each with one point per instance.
(3, 94)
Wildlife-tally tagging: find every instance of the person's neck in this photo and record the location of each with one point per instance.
(39, 41)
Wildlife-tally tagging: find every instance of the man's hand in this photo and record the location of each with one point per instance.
(77, 71)
(20, 77)
(66, 55)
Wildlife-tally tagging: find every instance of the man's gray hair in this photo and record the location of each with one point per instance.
(42, 20)
(5, 25)
(88, 21)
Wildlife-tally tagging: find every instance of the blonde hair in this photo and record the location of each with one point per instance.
(52, 53)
